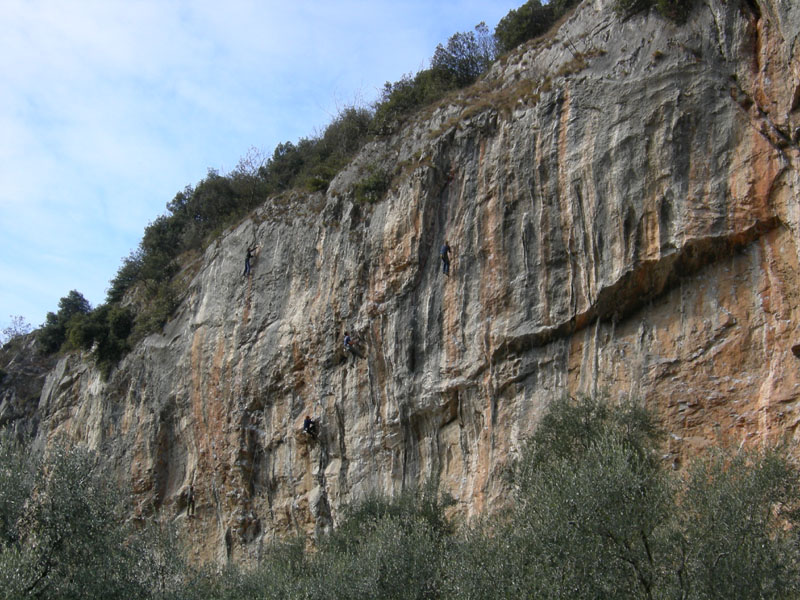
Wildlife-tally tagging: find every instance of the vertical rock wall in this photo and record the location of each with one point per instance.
(621, 198)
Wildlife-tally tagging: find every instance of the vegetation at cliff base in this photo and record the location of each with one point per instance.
(598, 514)
(64, 531)
(595, 513)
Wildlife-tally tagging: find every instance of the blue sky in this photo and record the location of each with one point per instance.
(108, 108)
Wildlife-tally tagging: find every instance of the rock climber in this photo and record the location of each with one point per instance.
(247, 258)
(348, 342)
(348, 345)
(310, 426)
(444, 253)
(190, 501)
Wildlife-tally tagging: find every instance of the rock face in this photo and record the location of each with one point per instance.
(22, 374)
(621, 199)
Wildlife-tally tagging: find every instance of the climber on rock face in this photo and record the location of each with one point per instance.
(351, 348)
(247, 258)
(348, 343)
(444, 253)
(190, 501)
(310, 427)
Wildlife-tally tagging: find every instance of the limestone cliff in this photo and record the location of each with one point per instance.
(621, 198)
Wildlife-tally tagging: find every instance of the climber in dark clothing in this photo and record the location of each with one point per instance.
(444, 253)
(190, 501)
(310, 427)
(247, 261)
(348, 346)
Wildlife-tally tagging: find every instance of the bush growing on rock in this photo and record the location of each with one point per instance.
(53, 332)
(402, 98)
(105, 331)
(521, 24)
(373, 186)
(677, 10)
(466, 56)
(530, 20)
(127, 276)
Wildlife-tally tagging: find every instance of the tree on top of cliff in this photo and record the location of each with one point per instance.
(526, 22)
(466, 56)
(677, 10)
(530, 20)
(54, 331)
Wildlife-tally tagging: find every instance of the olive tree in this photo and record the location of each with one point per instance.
(596, 514)
(65, 533)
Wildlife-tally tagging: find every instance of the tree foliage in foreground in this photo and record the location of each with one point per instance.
(598, 515)
(64, 534)
(595, 514)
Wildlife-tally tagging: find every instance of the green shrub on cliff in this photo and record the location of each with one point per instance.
(404, 97)
(519, 25)
(530, 20)
(373, 186)
(105, 330)
(466, 56)
(677, 10)
(53, 333)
